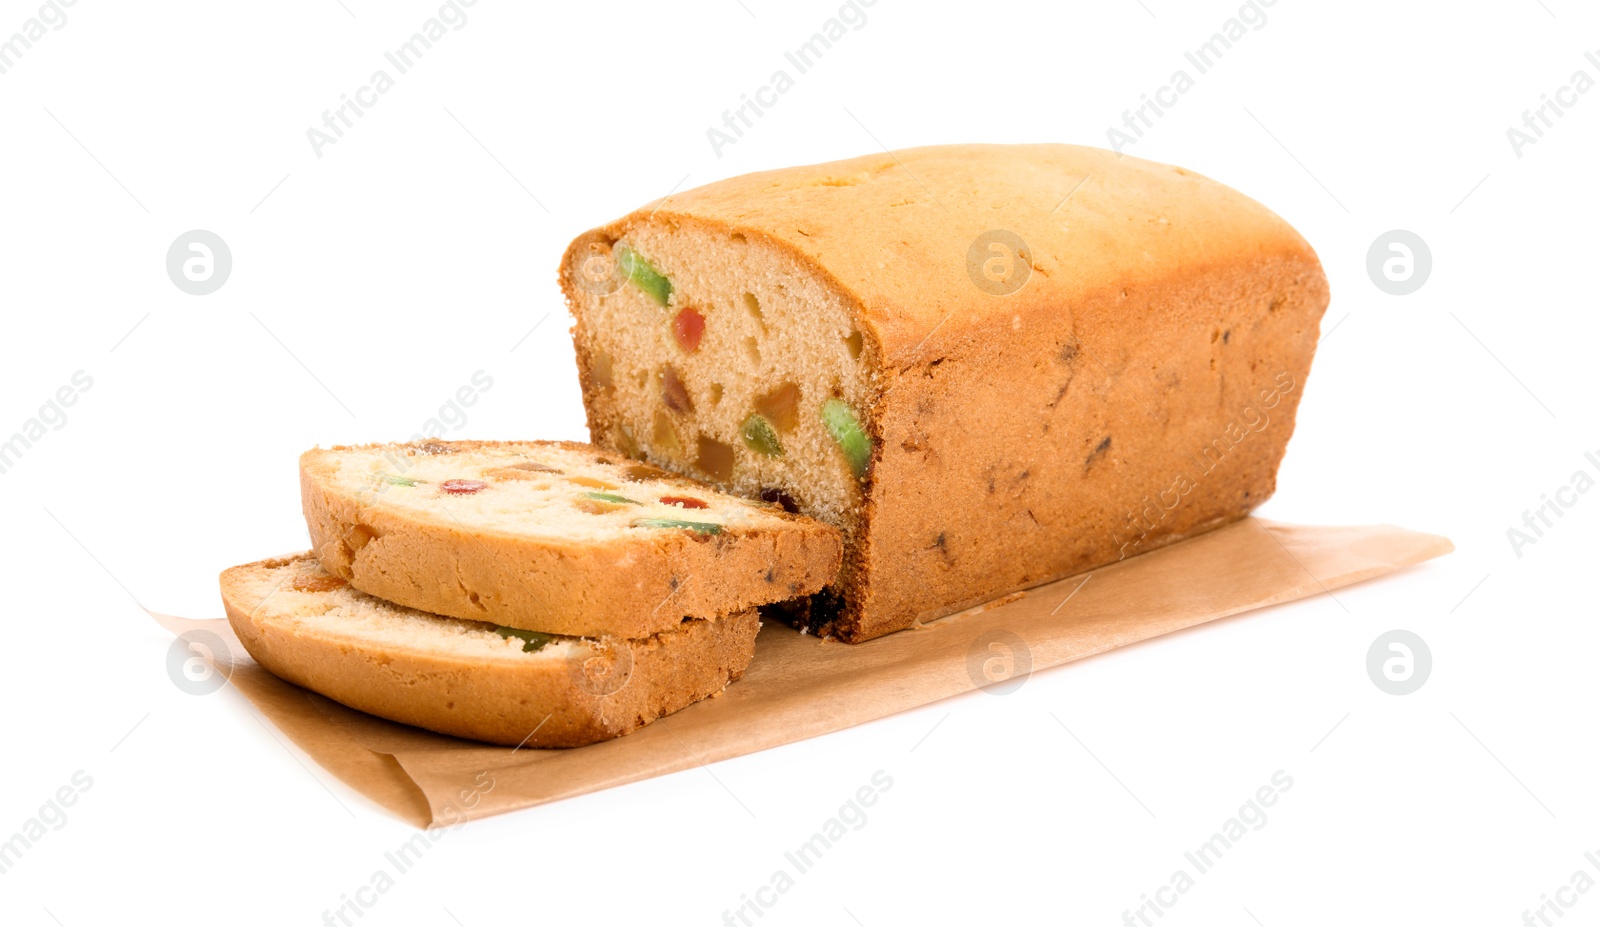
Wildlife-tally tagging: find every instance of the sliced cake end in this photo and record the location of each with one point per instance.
(557, 537)
(468, 678)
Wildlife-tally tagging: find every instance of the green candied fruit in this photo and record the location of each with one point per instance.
(759, 436)
(699, 527)
(610, 497)
(848, 434)
(643, 274)
(393, 480)
(532, 641)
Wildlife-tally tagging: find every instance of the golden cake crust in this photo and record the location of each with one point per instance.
(1154, 351)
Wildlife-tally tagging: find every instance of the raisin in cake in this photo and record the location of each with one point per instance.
(990, 366)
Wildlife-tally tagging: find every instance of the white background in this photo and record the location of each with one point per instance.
(372, 282)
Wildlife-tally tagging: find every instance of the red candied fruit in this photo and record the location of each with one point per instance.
(687, 328)
(462, 487)
(684, 501)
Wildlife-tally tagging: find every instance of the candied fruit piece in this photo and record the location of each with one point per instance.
(673, 392)
(666, 437)
(715, 459)
(699, 527)
(535, 466)
(532, 641)
(316, 582)
(596, 506)
(512, 473)
(687, 328)
(462, 487)
(759, 437)
(591, 482)
(781, 407)
(642, 274)
(610, 497)
(847, 432)
(626, 442)
(687, 502)
(639, 473)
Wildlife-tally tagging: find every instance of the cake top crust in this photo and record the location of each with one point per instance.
(935, 236)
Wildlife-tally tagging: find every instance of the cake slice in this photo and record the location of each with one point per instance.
(550, 536)
(470, 678)
(990, 366)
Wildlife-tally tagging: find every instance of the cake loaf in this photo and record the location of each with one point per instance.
(990, 366)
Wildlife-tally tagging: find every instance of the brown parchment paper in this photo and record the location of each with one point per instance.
(800, 687)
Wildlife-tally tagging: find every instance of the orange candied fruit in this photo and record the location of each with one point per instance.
(687, 328)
